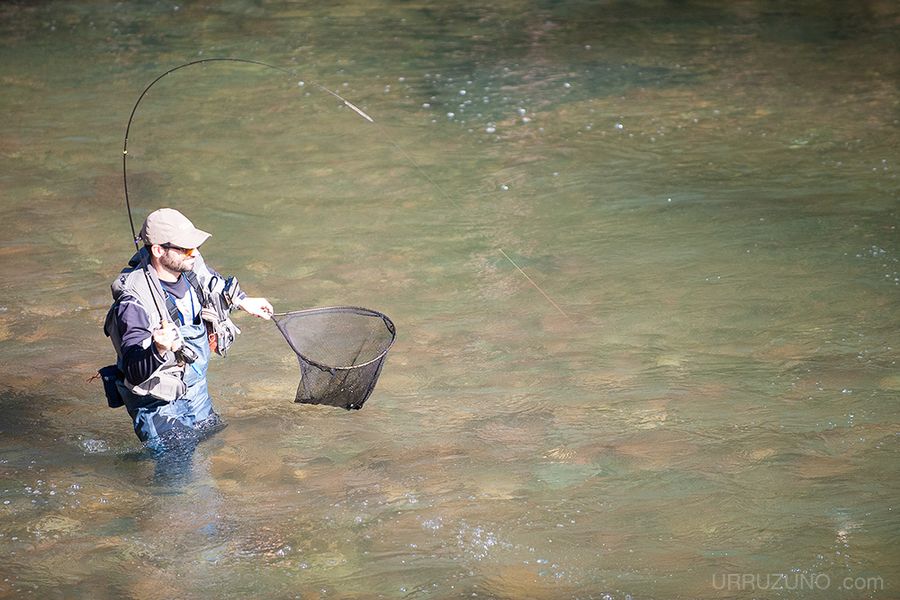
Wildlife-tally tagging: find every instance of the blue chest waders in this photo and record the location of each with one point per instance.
(154, 418)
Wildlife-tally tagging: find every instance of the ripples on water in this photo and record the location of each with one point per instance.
(708, 192)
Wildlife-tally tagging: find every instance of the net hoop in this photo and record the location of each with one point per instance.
(355, 309)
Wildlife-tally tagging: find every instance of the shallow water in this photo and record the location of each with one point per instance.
(707, 194)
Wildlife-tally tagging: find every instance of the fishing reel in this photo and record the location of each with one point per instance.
(186, 355)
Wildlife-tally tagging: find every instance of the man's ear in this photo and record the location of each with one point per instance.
(157, 250)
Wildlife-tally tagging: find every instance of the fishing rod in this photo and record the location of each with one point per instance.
(349, 105)
(199, 62)
(137, 103)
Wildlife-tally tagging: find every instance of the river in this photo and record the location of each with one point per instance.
(642, 258)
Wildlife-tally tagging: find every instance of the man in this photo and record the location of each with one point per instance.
(170, 312)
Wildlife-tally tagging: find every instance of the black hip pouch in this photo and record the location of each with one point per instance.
(110, 376)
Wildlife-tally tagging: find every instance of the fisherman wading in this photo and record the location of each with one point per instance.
(170, 312)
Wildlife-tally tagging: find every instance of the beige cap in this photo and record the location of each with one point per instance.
(168, 226)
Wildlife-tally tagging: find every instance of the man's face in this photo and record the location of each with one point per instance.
(177, 260)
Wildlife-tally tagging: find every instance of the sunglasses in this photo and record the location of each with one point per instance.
(188, 251)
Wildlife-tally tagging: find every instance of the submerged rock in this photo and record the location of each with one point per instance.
(54, 524)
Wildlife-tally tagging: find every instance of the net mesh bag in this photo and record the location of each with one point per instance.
(341, 350)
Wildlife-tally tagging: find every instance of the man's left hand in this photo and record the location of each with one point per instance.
(258, 307)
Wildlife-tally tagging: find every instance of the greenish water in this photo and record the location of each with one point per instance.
(708, 192)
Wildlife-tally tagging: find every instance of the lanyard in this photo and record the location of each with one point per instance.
(190, 299)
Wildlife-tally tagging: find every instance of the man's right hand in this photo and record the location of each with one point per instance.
(166, 338)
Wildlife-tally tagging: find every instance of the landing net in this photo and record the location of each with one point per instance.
(341, 350)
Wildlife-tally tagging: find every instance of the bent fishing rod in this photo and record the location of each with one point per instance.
(199, 62)
(134, 235)
(346, 103)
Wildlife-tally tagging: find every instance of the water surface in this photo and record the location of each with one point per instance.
(706, 193)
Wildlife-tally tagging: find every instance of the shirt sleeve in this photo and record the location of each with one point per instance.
(139, 355)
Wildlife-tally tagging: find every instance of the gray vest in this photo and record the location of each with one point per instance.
(167, 382)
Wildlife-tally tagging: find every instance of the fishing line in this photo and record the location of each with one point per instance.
(453, 201)
(348, 104)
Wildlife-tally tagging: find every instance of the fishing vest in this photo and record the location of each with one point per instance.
(139, 283)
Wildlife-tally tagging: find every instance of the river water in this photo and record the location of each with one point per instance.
(642, 258)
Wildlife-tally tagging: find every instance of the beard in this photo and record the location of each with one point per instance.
(176, 264)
